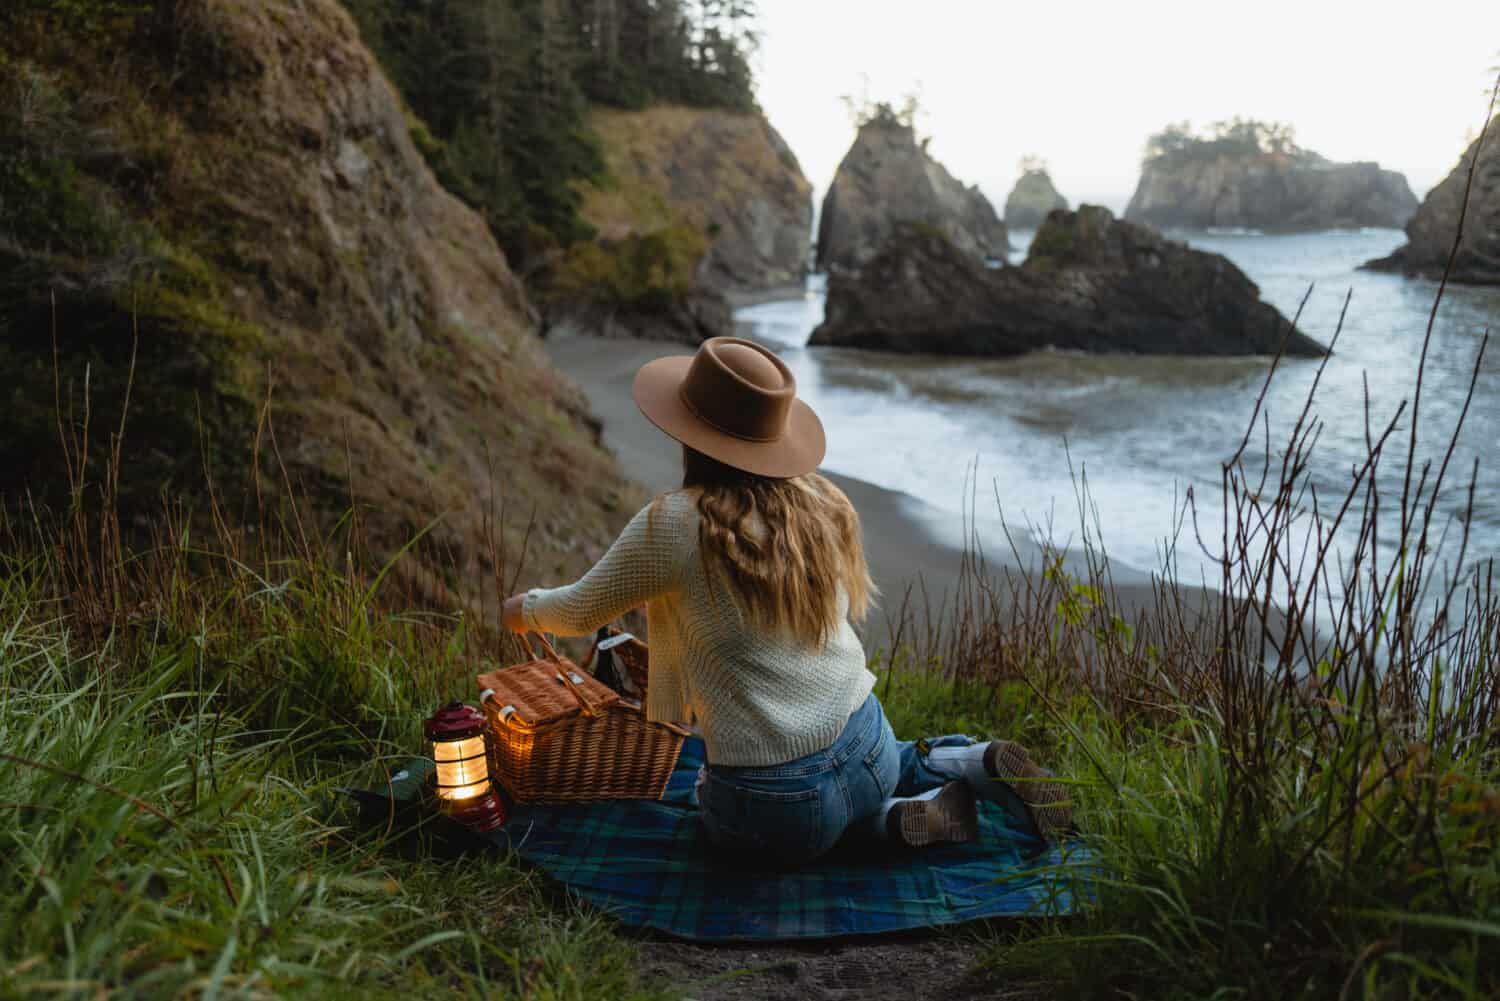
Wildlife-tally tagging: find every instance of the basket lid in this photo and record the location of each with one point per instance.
(537, 693)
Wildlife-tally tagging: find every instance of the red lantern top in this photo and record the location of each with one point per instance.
(455, 721)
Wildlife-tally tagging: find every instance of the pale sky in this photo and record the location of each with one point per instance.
(1084, 82)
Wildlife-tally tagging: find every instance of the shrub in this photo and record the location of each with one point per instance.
(648, 271)
(1291, 785)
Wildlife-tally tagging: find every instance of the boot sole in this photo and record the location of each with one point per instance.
(949, 817)
(1047, 803)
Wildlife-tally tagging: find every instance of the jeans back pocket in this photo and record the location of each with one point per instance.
(775, 826)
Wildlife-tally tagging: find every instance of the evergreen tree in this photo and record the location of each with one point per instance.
(502, 87)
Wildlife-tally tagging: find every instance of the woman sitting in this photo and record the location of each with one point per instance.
(750, 574)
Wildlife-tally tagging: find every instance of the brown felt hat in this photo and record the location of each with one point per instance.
(736, 402)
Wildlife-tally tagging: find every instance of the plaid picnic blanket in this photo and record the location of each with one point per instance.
(649, 864)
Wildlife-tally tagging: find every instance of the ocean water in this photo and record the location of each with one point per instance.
(1144, 431)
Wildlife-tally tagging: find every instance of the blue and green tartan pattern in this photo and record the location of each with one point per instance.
(648, 863)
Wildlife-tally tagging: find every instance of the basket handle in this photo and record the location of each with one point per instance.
(575, 685)
(547, 647)
(573, 681)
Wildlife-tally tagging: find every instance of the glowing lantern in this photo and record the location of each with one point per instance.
(462, 782)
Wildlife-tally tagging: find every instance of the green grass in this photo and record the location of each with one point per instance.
(1355, 870)
(1208, 892)
(171, 823)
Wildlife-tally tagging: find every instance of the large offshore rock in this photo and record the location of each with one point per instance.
(1031, 199)
(1273, 192)
(1431, 232)
(888, 180)
(1090, 283)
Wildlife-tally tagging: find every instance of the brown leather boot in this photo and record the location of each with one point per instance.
(1046, 803)
(945, 815)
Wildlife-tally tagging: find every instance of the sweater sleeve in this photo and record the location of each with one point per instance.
(644, 563)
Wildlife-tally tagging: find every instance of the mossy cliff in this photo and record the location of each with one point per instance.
(726, 174)
(232, 193)
(697, 208)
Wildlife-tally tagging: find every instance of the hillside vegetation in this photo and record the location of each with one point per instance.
(227, 266)
(1237, 137)
(503, 87)
(727, 175)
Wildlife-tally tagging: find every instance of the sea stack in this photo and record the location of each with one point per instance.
(1431, 232)
(1090, 283)
(888, 180)
(1033, 197)
(1251, 175)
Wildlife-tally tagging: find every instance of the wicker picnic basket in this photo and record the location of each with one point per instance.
(558, 735)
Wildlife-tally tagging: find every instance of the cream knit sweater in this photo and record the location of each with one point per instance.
(757, 699)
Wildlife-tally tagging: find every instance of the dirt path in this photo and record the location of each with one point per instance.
(889, 968)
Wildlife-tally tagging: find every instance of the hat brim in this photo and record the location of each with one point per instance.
(796, 453)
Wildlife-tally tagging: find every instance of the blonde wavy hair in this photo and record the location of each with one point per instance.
(785, 546)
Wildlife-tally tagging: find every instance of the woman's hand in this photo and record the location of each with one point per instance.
(511, 616)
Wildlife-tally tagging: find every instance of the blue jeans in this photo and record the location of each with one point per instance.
(791, 813)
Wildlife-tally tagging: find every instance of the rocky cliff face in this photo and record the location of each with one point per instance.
(1431, 232)
(287, 253)
(887, 180)
(1031, 199)
(702, 208)
(1089, 283)
(728, 174)
(1269, 191)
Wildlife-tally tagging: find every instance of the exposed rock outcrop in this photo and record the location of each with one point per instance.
(286, 246)
(1031, 199)
(888, 180)
(1089, 283)
(727, 173)
(1431, 232)
(691, 319)
(1273, 192)
(702, 208)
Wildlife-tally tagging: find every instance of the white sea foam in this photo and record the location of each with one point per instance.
(1146, 430)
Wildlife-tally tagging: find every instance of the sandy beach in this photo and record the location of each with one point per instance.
(908, 543)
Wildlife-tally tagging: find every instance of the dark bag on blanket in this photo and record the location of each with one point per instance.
(619, 661)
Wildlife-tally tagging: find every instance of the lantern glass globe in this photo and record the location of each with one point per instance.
(462, 772)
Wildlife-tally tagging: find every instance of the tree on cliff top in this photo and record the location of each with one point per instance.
(1032, 163)
(694, 52)
(864, 109)
(1232, 137)
(501, 89)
